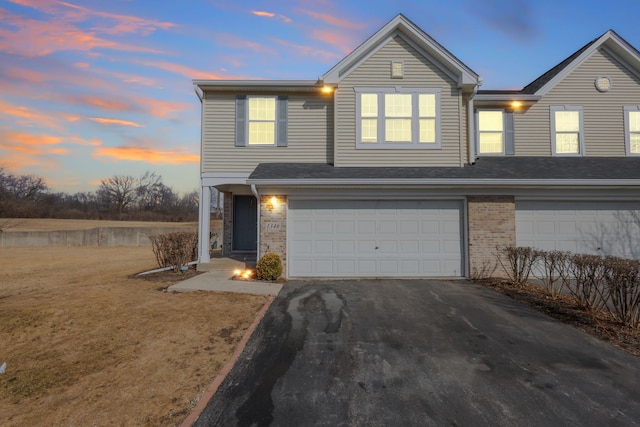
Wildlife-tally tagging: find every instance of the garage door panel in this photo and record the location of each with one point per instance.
(375, 238)
(603, 228)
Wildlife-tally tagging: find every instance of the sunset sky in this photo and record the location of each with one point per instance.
(92, 89)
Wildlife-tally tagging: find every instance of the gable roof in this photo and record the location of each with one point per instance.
(615, 45)
(424, 43)
(611, 41)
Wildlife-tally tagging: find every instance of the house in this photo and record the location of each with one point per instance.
(395, 163)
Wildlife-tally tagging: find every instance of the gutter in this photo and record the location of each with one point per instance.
(256, 193)
(474, 182)
(471, 127)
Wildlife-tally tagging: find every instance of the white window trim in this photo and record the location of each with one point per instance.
(627, 131)
(477, 118)
(552, 111)
(275, 121)
(381, 144)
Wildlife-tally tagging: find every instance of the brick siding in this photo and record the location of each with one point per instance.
(492, 224)
(273, 227)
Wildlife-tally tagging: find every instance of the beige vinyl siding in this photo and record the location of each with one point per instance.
(418, 72)
(310, 136)
(603, 111)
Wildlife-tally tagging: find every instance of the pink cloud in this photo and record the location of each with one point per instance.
(333, 20)
(144, 154)
(33, 38)
(304, 50)
(25, 116)
(266, 14)
(234, 42)
(190, 73)
(340, 41)
(116, 122)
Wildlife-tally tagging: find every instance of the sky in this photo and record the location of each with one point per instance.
(94, 89)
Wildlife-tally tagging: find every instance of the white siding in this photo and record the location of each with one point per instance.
(418, 72)
(310, 136)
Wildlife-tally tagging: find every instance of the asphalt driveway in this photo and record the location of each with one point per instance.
(419, 353)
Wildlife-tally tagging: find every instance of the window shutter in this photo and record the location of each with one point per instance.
(509, 138)
(241, 121)
(282, 117)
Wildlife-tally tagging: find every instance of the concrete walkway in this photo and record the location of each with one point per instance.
(218, 278)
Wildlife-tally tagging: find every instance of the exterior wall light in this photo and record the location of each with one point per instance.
(516, 104)
(272, 203)
(327, 89)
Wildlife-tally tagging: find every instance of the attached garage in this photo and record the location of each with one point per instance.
(368, 238)
(605, 228)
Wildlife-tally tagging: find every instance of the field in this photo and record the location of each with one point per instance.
(37, 224)
(87, 343)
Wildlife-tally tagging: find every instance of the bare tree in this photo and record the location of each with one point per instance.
(117, 193)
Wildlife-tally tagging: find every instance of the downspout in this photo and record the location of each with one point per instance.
(255, 192)
(471, 126)
(204, 214)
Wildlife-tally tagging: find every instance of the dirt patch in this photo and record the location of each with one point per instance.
(88, 343)
(565, 309)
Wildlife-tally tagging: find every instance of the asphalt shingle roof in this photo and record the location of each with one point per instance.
(507, 168)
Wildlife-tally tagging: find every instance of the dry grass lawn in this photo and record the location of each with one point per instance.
(86, 344)
(49, 224)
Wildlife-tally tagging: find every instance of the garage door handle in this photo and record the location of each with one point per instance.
(377, 247)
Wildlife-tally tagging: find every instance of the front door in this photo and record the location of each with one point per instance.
(245, 223)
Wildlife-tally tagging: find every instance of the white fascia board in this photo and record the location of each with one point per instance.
(209, 179)
(515, 96)
(256, 85)
(493, 182)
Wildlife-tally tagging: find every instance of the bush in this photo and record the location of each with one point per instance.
(622, 277)
(175, 249)
(553, 271)
(517, 262)
(269, 267)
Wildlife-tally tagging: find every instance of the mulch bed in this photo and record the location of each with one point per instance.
(566, 310)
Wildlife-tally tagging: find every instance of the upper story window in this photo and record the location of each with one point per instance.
(632, 129)
(495, 132)
(490, 132)
(567, 133)
(261, 121)
(397, 118)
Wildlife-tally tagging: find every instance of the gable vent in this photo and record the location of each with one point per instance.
(397, 69)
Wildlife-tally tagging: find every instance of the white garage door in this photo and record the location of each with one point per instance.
(605, 228)
(374, 238)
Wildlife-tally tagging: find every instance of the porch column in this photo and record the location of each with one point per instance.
(204, 224)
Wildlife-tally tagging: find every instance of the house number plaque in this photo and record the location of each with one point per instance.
(272, 226)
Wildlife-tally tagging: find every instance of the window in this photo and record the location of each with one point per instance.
(261, 121)
(396, 117)
(632, 129)
(566, 131)
(490, 132)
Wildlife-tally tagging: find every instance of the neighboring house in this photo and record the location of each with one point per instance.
(395, 164)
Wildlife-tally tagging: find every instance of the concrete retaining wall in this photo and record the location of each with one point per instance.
(120, 236)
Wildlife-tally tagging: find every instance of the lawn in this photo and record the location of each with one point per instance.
(87, 343)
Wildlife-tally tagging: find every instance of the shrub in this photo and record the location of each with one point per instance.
(622, 277)
(175, 249)
(269, 267)
(517, 262)
(553, 271)
(589, 289)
